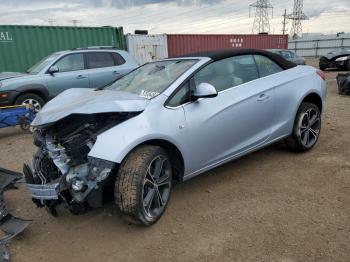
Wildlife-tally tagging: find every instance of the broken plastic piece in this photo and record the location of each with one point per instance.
(9, 225)
(4, 254)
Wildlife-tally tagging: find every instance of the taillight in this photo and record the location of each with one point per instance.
(321, 74)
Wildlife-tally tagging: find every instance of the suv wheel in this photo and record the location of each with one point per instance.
(307, 128)
(143, 185)
(31, 99)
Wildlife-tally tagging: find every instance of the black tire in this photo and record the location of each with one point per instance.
(134, 188)
(303, 130)
(323, 68)
(39, 102)
(347, 65)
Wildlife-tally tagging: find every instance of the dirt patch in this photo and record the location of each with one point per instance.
(272, 205)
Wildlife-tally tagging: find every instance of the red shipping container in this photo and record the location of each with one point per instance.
(179, 45)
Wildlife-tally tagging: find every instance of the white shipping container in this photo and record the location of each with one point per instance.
(147, 48)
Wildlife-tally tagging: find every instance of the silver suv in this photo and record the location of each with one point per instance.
(91, 67)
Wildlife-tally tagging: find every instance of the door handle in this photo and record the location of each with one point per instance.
(81, 77)
(116, 73)
(263, 97)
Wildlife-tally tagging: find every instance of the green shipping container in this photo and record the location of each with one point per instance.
(22, 46)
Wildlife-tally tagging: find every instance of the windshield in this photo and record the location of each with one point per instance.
(151, 79)
(42, 64)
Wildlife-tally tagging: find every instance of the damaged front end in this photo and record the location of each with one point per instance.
(61, 170)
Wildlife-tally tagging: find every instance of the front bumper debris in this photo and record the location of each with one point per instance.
(9, 224)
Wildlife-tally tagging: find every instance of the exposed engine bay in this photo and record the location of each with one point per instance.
(61, 170)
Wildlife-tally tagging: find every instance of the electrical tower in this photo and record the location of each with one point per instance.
(262, 19)
(297, 16)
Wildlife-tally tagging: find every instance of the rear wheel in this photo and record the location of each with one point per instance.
(31, 100)
(307, 128)
(143, 185)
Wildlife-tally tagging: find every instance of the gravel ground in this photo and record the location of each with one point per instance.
(272, 205)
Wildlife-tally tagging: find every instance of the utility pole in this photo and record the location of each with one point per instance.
(297, 16)
(284, 23)
(261, 19)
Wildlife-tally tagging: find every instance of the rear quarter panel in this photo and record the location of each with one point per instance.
(291, 87)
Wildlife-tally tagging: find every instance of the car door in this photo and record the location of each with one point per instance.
(238, 119)
(71, 74)
(104, 67)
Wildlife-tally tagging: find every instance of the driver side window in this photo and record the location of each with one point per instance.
(72, 62)
(226, 73)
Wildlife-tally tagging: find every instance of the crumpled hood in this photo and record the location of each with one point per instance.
(7, 75)
(88, 101)
(332, 55)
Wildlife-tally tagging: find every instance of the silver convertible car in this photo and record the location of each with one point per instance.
(165, 121)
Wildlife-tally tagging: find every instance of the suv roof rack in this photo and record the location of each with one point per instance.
(94, 47)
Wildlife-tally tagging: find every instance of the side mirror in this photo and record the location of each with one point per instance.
(204, 90)
(53, 69)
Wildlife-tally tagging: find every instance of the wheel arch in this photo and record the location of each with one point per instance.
(37, 89)
(176, 157)
(313, 98)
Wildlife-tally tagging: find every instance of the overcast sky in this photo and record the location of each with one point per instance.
(173, 16)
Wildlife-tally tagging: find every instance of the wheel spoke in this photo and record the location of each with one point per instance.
(313, 119)
(149, 175)
(314, 132)
(308, 115)
(160, 199)
(305, 140)
(158, 168)
(149, 181)
(147, 201)
(163, 184)
(163, 178)
(303, 129)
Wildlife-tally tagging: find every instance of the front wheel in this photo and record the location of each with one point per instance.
(143, 185)
(307, 128)
(29, 99)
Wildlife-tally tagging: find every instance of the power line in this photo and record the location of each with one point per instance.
(297, 16)
(262, 19)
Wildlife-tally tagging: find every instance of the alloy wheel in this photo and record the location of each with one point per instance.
(33, 103)
(309, 127)
(156, 187)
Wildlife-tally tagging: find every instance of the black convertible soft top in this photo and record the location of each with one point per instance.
(222, 54)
